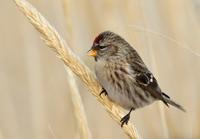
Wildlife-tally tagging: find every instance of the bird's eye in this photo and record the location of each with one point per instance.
(102, 47)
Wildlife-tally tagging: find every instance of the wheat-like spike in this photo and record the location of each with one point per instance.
(54, 41)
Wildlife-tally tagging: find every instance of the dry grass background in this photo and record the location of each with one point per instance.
(35, 101)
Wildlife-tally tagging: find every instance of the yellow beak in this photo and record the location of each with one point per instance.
(92, 53)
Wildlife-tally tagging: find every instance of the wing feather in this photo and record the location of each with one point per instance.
(144, 77)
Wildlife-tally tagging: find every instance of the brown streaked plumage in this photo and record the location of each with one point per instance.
(124, 76)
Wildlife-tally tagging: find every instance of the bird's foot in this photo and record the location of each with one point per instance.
(126, 118)
(103, 92)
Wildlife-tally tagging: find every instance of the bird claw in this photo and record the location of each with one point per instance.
(103, 92)
(125, 120)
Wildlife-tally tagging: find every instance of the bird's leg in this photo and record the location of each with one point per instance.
(103, 92)
(126, 118)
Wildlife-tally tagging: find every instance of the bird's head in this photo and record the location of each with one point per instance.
(107, 45)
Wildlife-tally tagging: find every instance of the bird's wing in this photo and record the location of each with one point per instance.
(145, 78)
(148, 82)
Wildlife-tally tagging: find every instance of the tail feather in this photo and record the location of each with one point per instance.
(173, 103)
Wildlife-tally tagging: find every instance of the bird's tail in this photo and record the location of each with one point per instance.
(173, 103)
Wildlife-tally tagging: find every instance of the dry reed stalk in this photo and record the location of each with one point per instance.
(79, 110)
(179, 44)
(154, 65)
(56, 43)
(78, 107)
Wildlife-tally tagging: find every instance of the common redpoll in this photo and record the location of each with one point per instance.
(124, 76)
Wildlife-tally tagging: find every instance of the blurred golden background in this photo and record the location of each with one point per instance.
(35, 101)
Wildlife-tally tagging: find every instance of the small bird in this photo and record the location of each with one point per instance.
(124, 76)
